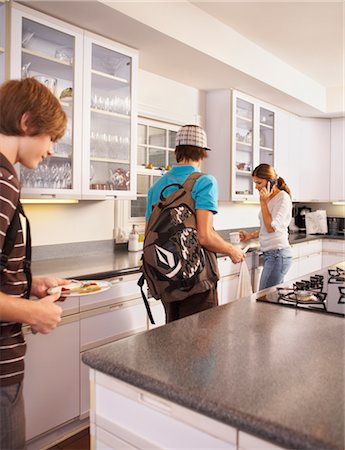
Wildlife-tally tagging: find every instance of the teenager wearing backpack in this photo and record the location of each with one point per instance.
(191, 149)
(31, 118)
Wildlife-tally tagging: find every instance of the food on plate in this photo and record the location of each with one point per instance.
(83, 289)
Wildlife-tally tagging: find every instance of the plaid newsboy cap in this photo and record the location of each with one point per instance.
(192, 135)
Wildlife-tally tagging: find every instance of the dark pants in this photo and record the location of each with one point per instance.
(12, 418)
(194, 304)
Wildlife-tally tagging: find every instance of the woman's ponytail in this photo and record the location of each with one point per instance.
(282, 186)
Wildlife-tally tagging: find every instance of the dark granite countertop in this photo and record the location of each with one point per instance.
(276, 373)
(107, 263)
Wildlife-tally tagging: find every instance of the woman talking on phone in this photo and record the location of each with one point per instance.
(275, 217)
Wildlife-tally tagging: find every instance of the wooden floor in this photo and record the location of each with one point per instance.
(80, 441)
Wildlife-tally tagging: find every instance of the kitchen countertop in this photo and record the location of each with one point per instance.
(117, 263)
(274, 372)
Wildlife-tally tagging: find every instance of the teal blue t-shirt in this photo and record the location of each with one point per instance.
(204, 193)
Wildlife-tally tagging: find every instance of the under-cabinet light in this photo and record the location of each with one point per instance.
(251, 202)
(43, 201)
(338, 203)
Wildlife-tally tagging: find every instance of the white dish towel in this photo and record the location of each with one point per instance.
(244, 287)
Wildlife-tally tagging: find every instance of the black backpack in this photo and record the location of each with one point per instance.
(174, 264)
(9, 242)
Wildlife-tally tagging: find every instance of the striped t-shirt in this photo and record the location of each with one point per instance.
(12, 280)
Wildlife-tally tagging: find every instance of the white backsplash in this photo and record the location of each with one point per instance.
(236, 215)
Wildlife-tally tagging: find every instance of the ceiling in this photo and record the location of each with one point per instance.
(307, 36)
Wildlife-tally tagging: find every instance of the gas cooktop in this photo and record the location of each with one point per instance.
(322, 292)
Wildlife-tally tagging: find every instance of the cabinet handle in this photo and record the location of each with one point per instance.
(156, 404)
(113, 307)
(116, 280)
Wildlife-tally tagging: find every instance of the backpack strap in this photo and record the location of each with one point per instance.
(191, 180)
(147, 305)
(10, 239)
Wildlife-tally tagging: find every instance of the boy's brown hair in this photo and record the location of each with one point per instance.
(189, 152)
(45, 114)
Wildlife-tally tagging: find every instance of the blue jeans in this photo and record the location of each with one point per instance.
(276, 265)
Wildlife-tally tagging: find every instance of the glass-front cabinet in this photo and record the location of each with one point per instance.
(109, 119)
(253, 143)
(51, 53)
(94, 79)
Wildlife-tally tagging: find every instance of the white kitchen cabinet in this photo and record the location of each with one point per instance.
(310, 145)
(51, 51)
(158, 313)
(124, 413)
(241, 129)
(253, 142)
(95, 80)
(228, 289)
(109, 119)
(248, 442)
(337, 176)
(51, 383)
(333, 251)
(315, 160)
(307, 258)
(103, 325)
(287, 157)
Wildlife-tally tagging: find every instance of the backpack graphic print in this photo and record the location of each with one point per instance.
(175, 266)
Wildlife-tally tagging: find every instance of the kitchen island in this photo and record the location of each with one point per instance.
(242, 371)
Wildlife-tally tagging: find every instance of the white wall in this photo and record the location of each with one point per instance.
(92, 220)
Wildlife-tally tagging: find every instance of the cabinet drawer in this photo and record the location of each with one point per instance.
(311, 247)
(107, 441)
(333, 245)
(226, 266)
(124, 288)
(118, 320)
(132, 418)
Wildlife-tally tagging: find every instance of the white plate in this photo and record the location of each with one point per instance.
(80, 288)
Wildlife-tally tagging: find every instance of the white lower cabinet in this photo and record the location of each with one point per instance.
(248, 442)
(104, 325)
(228, 289)
(158, 313)
(109, 323)
(51, 384)
(333, 251)
(121, 413)
(307, 258)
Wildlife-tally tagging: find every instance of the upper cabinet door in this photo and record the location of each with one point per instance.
(2, 40)
(253, 143)
(52, 53)
(110, 119)
(243, 151)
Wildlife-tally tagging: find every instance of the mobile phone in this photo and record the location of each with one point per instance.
(268, 186)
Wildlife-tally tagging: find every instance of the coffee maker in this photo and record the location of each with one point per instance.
(300, 217)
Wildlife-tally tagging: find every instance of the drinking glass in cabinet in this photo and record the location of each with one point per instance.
(266, 117)
(111, 63)
(108, 145)
(49, 174)
(142, 134)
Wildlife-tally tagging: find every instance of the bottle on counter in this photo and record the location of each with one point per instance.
(133, 240)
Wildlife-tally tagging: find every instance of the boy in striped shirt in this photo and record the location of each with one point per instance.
(31, 118)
